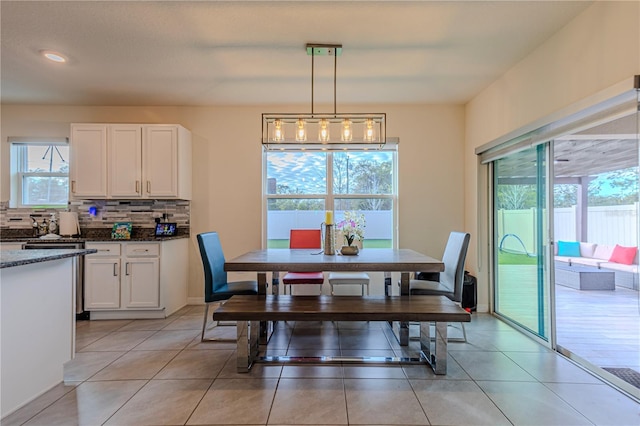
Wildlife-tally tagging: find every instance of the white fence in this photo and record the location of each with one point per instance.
(606, 225)
(379, 224)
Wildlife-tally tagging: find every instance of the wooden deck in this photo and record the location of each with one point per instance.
(599, 326)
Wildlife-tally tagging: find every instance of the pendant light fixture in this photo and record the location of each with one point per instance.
(337, 131)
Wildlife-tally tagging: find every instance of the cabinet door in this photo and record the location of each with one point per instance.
(11, 246)
(141, 287)
(101, 283)
(160, 161)
(88, 160)
(125, 161)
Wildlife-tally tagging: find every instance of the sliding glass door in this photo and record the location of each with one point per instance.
(596, 209)
(520, 239)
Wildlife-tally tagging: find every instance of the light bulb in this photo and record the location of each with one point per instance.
(347, 134)
(369, 131)
(323, 133)
(278, 132)
(301, 131)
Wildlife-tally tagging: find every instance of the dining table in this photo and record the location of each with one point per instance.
(404, 261)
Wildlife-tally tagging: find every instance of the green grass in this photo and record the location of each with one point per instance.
(506, 258)
(367, 243)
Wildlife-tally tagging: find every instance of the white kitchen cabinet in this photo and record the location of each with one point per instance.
(127, 280)
(102, 277)
(11, 246)
(141, 279)
(125, 161)
(166, 161)
(88, 161)
(149, 161)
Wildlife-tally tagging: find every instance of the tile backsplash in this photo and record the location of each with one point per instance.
(141, 213)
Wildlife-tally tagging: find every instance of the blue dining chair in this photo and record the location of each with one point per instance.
(216, 286)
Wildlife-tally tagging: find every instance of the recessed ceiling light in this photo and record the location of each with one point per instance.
(53, 56)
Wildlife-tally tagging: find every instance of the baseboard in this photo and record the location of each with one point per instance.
(128, 314)
(195, 301)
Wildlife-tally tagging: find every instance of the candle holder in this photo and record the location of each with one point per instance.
(329, 239)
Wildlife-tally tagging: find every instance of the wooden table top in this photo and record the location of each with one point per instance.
(340, 308)
(384, 260)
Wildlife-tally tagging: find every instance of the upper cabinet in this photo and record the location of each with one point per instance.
(88, 160)
(125, 161)
(151, 161)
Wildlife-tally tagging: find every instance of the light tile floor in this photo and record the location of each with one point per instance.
(153, 372)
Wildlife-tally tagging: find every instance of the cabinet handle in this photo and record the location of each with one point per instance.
(126, 268)
(115, 269)
(73, 186)
(137, 187)
(148, 187)
(145, 250)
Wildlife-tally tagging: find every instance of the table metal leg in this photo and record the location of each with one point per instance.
(437, 359)
(403, 332)
(247, 348)
(266, 329)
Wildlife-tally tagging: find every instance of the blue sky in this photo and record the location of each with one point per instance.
(306, 170)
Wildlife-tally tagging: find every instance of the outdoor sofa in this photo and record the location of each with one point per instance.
(621, 260)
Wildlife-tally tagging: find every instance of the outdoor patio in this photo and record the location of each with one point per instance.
(602, 327)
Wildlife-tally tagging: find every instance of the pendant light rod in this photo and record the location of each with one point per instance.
(313, 55)
(335, 72)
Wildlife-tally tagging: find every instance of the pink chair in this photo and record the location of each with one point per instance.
(304, 239)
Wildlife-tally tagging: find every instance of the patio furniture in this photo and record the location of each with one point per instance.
(584, 277)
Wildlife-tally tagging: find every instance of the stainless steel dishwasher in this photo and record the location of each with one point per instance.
(54, 245)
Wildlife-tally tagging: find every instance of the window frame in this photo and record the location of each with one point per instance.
(18, 165)
(330, 197)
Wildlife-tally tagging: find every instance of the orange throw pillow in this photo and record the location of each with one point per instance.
(624, 255)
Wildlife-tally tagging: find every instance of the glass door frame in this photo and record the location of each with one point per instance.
(544, 170)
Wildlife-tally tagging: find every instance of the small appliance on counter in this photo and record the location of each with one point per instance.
(68, 224)
(167, 229)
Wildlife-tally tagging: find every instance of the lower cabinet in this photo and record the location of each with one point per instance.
(11, 246)
(124, 279)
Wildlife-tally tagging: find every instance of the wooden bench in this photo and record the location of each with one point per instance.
(249, 311)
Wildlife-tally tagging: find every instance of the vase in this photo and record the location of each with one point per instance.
(349, 250)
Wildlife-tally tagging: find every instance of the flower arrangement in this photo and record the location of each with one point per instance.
(352, 227)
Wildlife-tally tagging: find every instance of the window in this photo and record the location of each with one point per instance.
(300, 185)
(39, 173)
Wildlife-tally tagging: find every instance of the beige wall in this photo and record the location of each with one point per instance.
(227, 166)
(597, 50)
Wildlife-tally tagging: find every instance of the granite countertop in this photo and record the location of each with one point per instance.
(83, 240)
(88, 235)
(10, 258)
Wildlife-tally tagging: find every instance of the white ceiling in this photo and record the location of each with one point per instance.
(250, 53)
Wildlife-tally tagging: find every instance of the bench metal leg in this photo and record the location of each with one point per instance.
(437, 359)
(401, 331)
(247, 346)
(218, 324)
